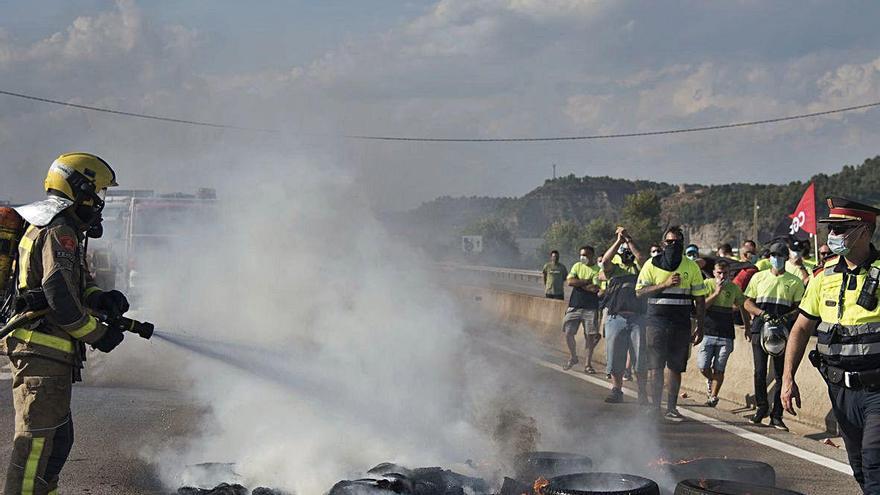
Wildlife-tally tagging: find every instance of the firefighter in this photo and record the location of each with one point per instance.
(46, 349)
(840, 304)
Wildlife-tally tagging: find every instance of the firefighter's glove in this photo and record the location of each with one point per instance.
(112, 338)
(112, 302)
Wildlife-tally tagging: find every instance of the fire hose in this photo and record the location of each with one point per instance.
(142, 328)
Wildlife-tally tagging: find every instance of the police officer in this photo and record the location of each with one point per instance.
(841, 305)
(46, 346)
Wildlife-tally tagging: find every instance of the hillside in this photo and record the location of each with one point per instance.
(711, 214)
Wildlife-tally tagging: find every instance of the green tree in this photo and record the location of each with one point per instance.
(599, 233)
(565, 236)
(641, 217)
(499, 245)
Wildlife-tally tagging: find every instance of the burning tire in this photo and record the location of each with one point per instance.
(601, 484)
(742, 470)
(722, 487)
(531, 465)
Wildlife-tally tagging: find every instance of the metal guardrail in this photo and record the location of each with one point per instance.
(495, 272)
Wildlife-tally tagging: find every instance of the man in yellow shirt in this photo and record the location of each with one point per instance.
(583, 307)
(673, 285)
(771, 293)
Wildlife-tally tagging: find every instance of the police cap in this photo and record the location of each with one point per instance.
(847, 210)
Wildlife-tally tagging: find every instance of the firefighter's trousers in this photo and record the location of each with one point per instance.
(43, 426)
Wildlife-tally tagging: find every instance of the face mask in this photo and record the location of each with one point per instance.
(795, 255)
(692, 256)
(753, 259)
(778, 262)
(837, 244)
(585, 260)
(627, 257)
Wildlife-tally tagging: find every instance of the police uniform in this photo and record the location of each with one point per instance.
(848, 350)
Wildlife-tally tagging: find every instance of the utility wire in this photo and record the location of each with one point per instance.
(458, 140)
(613, 136)
(132, 114)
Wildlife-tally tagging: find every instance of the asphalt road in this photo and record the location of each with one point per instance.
(113, 424)
(624, 438)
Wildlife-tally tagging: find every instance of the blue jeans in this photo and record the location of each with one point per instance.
(622, 334)
(714, 352)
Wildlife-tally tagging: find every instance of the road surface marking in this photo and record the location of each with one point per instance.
(717, 423)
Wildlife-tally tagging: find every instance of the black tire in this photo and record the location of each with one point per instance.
(532, 465)
(601, 484)
(724, 487)
(745, 471)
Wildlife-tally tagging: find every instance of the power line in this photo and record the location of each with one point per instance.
(614, 136)
(132, 114)
(455, 140)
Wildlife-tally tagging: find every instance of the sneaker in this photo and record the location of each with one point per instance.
(673, 416)
(607, 376)
(627, 375)
(712, 402)
(589, 370)
(615, 397)
(778, 424)
(756, 419)
(570, 364)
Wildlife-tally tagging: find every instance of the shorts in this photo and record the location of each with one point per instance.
(714, 352)
(624, 334)
(668, 343)
(560, 297)
(575, 316)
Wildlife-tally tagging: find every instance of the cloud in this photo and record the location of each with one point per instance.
(472, 68)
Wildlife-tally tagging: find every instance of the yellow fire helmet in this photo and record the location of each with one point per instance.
(72, 174)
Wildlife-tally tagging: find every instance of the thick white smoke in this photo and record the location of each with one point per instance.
(347, 352)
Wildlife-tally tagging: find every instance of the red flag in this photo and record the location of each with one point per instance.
(804, 216)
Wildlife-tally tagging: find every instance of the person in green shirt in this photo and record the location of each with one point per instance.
(554, 274)
(718, 340)
(583, 307)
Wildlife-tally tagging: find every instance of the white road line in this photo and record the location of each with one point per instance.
(717, 423)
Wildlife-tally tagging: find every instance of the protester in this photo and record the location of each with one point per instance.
(554, 277)
(724, 296)
(672, 285)
(771, 295)
(725, 251)
(796, 263)
(624, 328)
(583, 305)
(824, 254)
(748, 252)
(692, 251)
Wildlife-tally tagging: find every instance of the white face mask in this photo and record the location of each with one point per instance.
(585, 259)
(778, 262)
(837, 242)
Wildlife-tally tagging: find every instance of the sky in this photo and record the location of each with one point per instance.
(317, 71)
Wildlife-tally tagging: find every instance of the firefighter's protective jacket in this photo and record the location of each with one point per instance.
(51, 258)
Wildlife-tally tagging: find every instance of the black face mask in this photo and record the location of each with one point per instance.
(671, 257)
(627, 257)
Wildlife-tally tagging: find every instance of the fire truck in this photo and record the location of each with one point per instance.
(138, 224)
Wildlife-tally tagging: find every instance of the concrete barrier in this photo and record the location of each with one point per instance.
(543, 317)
